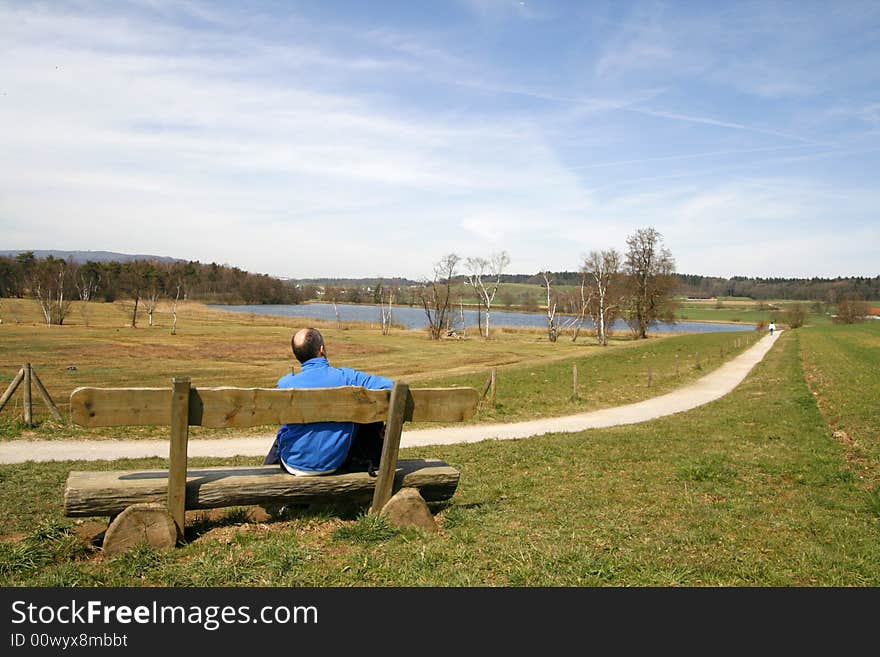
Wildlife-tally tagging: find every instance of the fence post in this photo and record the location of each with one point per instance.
(486, 386)
(676, 366)
(492, 384)
(47, 399)
(28, 400)
(16, 381)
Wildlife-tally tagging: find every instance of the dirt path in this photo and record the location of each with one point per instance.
(708, 388)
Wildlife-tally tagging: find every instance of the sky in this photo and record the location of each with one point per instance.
(361, 139)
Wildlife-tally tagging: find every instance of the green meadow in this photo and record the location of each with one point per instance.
(213, 348)
(776, 484)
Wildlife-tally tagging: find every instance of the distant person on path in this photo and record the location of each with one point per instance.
(321, 448)
(772, 328)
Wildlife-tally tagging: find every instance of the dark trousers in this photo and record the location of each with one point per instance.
(363, 455)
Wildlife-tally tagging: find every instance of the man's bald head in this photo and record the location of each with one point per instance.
(307, 343)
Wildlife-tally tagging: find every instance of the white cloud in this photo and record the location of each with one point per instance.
(635, 56)
(759, 227)
(508, 9)
(303, 149)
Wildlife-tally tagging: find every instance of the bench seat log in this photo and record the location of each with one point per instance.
(106, 493)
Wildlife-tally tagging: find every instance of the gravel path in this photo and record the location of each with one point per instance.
(708, 388)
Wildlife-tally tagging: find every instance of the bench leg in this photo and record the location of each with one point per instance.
(147, 522)
(177, 452)
(397, 407)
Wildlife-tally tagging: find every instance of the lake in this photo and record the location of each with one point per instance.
(414, 317)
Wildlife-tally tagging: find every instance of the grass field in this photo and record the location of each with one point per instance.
(747, 311)
(747, 314)
(216, 348)
(755, 489)
(841, 364)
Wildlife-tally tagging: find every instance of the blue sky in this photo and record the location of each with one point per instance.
(305, 139)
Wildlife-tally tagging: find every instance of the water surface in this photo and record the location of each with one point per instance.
(413, 317)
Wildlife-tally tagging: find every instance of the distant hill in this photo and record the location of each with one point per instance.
(95, 256)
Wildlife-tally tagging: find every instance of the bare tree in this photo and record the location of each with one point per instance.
(87, 279)
(177, 287)
(493, 268)
(133, 281)
(600, 270)
(333, 293)
(48, 285)
(461, 315)
(552, 323)
(385, 311)
(435, 295)
(176, 278)
(154, 285)
(650, 271)
(580, 307)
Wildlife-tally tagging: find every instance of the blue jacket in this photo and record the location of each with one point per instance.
(319, 446)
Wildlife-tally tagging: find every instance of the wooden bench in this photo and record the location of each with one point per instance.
(142, 499)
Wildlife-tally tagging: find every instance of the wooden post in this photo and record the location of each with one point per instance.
(28, 400)
(676, 366)
(388, 462)
(16, 380)
(492, 383)
(574, 381)
(486, 386)
(45, 395)
(177, 451)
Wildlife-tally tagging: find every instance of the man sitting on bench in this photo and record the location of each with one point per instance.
(321, 448)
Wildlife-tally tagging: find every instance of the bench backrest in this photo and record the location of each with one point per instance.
(249, 407)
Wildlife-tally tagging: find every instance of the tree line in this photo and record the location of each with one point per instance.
(825, 290)
(638, 285)
(55, 283)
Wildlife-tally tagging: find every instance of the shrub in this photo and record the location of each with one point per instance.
(850, 311)
(795, 315)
